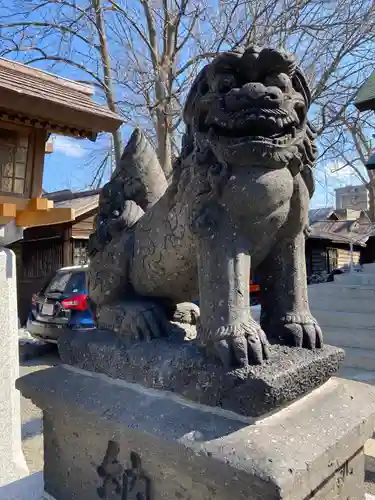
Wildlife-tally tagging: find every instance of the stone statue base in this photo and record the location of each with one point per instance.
(110, 439)
(182, 368)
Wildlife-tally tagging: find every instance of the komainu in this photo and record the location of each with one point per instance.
(238, 198)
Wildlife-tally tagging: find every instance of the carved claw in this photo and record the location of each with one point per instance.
(240, 345)
(135, 320)
(298, 330)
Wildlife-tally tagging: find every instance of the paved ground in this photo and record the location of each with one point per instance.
(32, 433)
(32, 429)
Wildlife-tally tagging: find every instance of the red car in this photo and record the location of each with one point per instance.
(254, 290)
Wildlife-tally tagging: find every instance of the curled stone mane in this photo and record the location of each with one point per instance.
(198, 173)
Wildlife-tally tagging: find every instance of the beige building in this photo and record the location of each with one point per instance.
(352, 197)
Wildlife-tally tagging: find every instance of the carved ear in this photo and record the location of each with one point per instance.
(300, 85)
(140, 172)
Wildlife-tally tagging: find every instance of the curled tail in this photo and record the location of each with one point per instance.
(136, 184)
(140, 172)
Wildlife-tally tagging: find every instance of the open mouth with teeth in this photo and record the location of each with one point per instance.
(274, 127)
(250, 106)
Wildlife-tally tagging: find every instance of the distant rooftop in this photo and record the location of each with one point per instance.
(82, 202)
(318, 214)
(341, 225)
(34, 97)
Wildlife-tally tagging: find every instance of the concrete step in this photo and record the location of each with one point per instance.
(359, 343)
(346, 338)
(345, 291)
(358, 375)
(337, 320)
(350, 322)
(361, 359)
(342, 303)
(355, 279)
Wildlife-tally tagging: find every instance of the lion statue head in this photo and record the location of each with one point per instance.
(250, 108)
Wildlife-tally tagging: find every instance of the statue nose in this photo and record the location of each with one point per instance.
(259, 91)
(253, 90)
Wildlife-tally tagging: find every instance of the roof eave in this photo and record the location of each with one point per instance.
(368, 105)
(334, 239)
(70, 118)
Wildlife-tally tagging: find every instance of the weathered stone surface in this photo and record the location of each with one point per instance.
(131, 320)
(101, 434)
(182, 367)
(239, 197)
(12, 461)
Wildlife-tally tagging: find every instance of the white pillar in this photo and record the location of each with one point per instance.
(12, 461)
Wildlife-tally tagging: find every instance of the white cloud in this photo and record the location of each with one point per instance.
(68, 146)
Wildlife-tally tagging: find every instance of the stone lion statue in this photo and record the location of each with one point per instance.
(238, 198)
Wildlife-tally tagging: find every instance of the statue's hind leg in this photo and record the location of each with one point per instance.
(286, 317)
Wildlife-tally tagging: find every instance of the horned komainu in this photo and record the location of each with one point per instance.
(239, 197)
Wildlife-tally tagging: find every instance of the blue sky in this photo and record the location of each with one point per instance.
(74, 161)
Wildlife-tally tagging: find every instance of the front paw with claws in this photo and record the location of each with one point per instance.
(237, 346)
(296, 330)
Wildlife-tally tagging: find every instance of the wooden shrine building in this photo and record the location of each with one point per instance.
(34, 104)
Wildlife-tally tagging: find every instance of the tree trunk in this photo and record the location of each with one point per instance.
(163, 122)
(106, 64)
(164, 148)
(117, 146)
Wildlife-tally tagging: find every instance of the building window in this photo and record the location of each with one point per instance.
(80, 257)
(13, 161)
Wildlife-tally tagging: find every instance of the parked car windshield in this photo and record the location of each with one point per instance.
(67, 283)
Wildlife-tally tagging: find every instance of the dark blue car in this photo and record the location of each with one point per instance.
(61, 305)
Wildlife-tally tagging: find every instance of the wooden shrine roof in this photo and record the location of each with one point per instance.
(365, 99)
(36, 98)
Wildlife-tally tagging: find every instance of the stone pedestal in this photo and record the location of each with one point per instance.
(12, 462)
(110, 439)
(182, 367)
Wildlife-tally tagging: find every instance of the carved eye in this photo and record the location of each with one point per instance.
(223, 82)
(280, 80)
